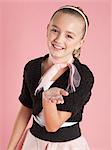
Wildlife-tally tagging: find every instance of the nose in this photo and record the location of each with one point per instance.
(59, 38)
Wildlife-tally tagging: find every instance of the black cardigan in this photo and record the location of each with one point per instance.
(74, 102)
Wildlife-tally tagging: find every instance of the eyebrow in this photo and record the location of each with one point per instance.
(66, 31)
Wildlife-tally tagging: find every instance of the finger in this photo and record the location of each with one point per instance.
(60, 102)
(63, 92)
(54, 101)
(57, 101)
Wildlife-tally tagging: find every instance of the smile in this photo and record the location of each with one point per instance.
(57, 47)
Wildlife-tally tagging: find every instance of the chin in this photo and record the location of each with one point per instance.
(56, 54)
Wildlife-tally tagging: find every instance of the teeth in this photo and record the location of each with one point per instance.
(58, 47)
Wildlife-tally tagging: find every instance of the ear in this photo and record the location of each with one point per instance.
(47, 26)
(47, 29)
(80, 43)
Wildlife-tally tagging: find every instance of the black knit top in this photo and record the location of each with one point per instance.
(74, 102)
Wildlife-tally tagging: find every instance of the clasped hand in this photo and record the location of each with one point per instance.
(55, 95)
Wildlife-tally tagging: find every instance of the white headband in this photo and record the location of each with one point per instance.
(80, 12)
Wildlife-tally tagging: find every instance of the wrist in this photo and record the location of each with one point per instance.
(11, 147)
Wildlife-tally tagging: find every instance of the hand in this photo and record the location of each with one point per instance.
(55, 95)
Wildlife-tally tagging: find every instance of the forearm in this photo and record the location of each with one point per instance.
(19, 127)
(51, 116)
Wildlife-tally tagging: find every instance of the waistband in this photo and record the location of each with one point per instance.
(61, 135)
(41, 123)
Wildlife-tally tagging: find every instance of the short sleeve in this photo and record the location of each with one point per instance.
(24, 96)
(75, 101)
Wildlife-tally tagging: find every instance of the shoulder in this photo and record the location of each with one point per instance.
(32, 63)
(84, 70)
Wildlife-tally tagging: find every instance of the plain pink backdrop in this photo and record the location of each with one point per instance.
(23, 37)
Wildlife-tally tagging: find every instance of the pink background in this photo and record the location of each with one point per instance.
(23, 37)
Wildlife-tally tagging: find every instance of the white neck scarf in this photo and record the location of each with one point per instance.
(73, 80)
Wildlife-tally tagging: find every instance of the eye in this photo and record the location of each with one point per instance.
(69, 36)
(54, 30)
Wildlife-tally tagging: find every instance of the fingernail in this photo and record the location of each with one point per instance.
(67, 93)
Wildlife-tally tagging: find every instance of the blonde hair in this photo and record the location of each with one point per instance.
(76, 53)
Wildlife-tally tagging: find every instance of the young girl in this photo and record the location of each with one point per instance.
(56, 88)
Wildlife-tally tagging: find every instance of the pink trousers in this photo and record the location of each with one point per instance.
(33, 143)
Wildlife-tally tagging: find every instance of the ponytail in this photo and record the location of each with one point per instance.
(76, 53)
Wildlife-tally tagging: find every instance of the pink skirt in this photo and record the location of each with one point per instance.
(33, 143)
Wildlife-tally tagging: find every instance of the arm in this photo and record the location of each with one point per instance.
(21, 122)
(74, 102)
(54, 118)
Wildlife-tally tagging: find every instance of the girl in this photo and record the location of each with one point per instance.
(56, 88)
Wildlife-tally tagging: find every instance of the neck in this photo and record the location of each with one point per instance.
(59, 60)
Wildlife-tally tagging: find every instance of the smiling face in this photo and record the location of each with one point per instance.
(64, 34)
